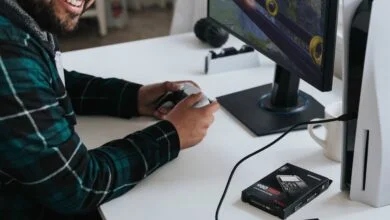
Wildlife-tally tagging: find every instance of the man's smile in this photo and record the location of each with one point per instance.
(75, 7)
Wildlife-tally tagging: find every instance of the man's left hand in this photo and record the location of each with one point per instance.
(149, 95)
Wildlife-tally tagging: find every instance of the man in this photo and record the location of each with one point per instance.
(46, 172)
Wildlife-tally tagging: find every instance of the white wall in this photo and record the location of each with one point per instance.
(186, 14)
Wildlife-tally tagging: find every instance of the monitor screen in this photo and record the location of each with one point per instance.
(298, 35)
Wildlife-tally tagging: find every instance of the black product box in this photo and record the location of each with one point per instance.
(285, 190)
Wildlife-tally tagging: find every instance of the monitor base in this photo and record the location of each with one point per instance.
(248, 107)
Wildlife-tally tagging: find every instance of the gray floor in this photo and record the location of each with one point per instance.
(147, 23)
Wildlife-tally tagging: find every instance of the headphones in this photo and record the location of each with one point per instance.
(208, 32)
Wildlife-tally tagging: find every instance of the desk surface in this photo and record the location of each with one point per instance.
(190, 186)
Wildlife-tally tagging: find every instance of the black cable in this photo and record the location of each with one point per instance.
(345, 117)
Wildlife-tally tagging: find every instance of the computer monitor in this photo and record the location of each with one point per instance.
(300, 36)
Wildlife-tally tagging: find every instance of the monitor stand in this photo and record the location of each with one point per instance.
(273, 108)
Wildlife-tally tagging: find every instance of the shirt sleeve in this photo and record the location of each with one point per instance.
(92, 95)
(42, 156)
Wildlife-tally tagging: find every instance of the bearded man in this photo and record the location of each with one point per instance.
(46, 172)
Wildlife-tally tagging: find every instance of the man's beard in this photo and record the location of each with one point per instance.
(44, 14)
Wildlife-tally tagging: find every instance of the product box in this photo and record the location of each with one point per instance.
(285, 190)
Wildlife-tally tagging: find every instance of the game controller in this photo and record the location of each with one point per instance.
(170, 99)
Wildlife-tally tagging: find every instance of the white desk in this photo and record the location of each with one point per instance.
(190, 186)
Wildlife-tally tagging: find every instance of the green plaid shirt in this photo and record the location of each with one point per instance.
(44, 166)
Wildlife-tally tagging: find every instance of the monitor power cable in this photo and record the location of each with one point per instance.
(345, 117)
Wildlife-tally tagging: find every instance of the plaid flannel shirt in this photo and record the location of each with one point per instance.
(44, 166)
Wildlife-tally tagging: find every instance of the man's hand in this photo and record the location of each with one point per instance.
(192, 123)
(148, 96)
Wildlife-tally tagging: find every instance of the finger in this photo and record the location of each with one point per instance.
(211, 119)
(171, 86)
(213, 107)
(188, 81)
(208, 121)
(204, 133)
(159, 115)
(192, 99)
(162, 88)
(163, 110)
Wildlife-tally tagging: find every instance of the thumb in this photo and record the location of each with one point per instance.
(170, 87)
(192, 99)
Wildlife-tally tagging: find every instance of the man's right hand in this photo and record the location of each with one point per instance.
(192, 123)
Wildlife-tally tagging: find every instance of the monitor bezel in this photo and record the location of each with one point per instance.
(330, 34)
